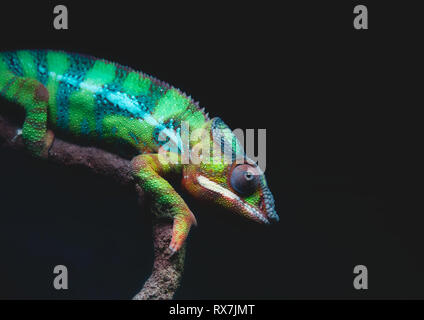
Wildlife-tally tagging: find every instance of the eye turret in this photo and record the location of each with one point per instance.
(244, 179)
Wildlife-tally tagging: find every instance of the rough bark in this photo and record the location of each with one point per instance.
(167, 269)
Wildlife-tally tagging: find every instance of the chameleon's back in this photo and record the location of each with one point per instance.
(96, 101)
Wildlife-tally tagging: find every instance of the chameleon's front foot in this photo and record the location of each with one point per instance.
(182, 224)
(149, 173)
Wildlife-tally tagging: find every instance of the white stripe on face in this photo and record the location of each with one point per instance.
(213, 186)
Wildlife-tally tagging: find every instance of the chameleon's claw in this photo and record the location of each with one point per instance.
(174, 247)
(18, 133)
(173, 251)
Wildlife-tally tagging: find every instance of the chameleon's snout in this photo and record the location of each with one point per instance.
(261, 210)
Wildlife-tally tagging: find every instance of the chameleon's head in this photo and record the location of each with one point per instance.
(239, 186)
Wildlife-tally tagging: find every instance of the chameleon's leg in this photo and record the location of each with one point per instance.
(149, 171)
(34, 97)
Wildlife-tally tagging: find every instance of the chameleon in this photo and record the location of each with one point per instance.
(92, 101)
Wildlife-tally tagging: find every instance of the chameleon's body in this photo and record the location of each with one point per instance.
(93, 101)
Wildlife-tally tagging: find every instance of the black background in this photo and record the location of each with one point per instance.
(339, 106)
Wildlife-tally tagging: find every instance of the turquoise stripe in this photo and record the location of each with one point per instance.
(40, 58)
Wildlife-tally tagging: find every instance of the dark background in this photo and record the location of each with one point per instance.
(339, 106)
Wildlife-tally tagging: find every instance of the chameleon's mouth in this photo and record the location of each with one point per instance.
(266, 213)
(251, 212)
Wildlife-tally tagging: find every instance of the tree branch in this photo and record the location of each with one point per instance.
(167, 270)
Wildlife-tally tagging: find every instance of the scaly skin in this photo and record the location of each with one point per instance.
(96, 102)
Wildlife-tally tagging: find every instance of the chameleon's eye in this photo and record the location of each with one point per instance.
(244, 179)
